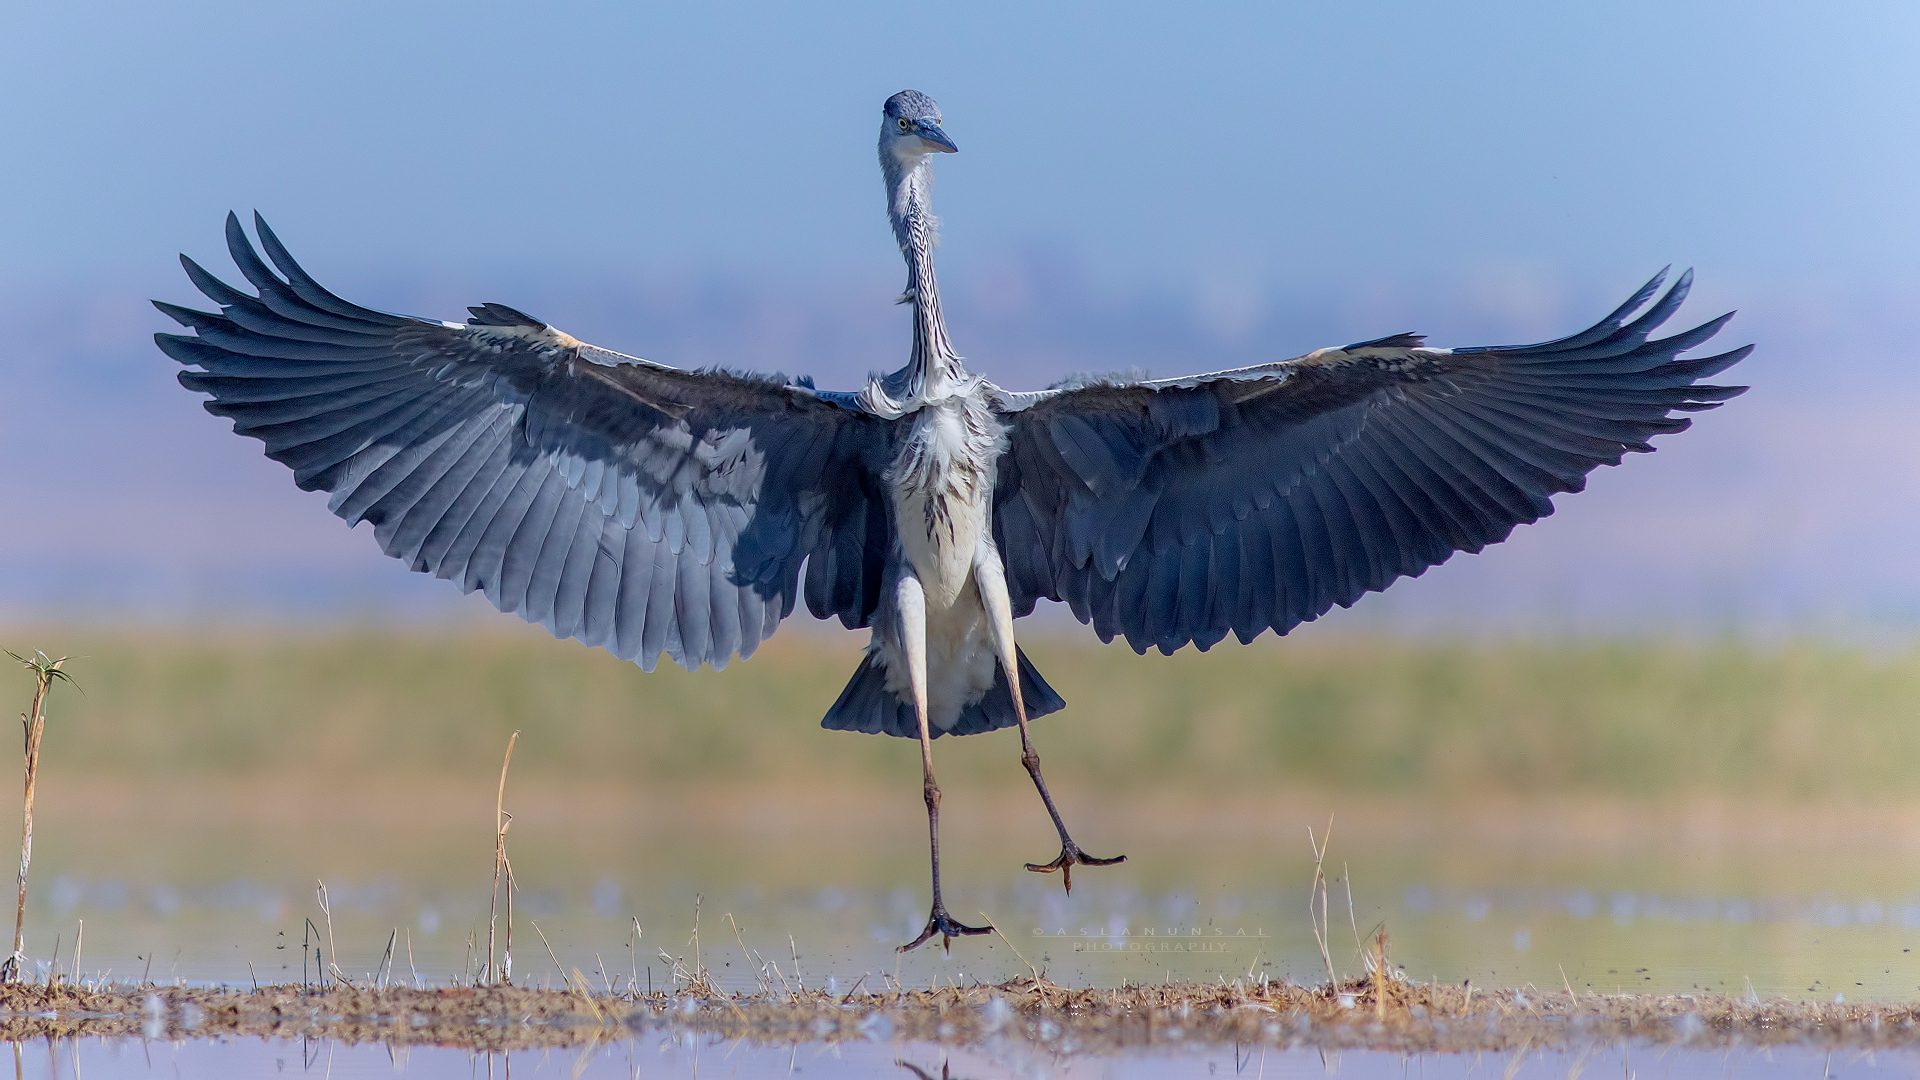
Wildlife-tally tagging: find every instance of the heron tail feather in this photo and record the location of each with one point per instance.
(867, 705)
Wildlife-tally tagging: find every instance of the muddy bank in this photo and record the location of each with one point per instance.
(1393, 1015)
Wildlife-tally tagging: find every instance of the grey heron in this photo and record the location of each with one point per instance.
(651, 510)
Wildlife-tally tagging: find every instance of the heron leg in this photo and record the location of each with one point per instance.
(991, 580)
(912, 606)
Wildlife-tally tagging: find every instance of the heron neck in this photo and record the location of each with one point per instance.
(934, 367)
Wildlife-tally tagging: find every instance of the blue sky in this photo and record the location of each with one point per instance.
(1139, 185)
(1159, 144)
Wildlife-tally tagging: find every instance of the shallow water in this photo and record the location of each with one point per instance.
(658, 1056)
(183, 884)
(207, 885)
(1604, 937)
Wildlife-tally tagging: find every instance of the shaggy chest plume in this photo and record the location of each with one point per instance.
(942, 484)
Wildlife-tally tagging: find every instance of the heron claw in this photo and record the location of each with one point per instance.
(1069, 855)
(939, 922)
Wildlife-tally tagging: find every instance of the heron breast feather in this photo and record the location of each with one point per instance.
(941, 482)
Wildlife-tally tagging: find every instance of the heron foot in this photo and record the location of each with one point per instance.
(1071, 854)
(939, 922)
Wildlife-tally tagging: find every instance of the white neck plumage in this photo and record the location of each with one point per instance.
(934, 372)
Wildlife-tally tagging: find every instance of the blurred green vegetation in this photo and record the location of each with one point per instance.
(1372, 714)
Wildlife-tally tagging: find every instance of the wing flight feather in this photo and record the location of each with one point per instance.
(1177, 511)
(634, 506)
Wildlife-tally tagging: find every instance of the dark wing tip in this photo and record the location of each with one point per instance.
(187, 316)
(1391, 341)
(502, 315)
(275, 249)
(236, 235)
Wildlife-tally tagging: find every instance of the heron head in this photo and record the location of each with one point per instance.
(910, 127)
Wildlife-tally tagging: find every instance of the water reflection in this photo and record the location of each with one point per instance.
(1623, 907)
(669, 1054)
(1092, 911)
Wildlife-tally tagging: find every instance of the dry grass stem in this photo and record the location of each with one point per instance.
(331, 965)
(760, 979)
(633, 959)
(1346, 879)
(1318, 891)
(698, 966)
(33, 724)
(1011, 945)
(384, 970)
(502, 872)
(555, 959)
(1379, 966)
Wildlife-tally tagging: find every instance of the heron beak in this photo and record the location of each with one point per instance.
(935, 137)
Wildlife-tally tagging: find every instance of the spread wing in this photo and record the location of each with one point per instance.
(1181, 510)
(608, 498)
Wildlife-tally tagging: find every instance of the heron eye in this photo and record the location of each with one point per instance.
(903, 124)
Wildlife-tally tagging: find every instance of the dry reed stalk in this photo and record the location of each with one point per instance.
(306, 936)
(675, 971)
(1011, 945)
(633, 961)
(33, 724)
(332, 964)
(1380, 974)
(765, 983)
(782, 976)
(857, 983)
(555, 959)
(585, 993)
(501, 868)
(382, 973)
(1319, 888)
(1346, 878)
(699, 968)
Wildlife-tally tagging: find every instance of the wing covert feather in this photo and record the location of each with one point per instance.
(1179, 511)
(634, 506)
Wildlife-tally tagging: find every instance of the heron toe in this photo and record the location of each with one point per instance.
(1069, 855)
(939, 922)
